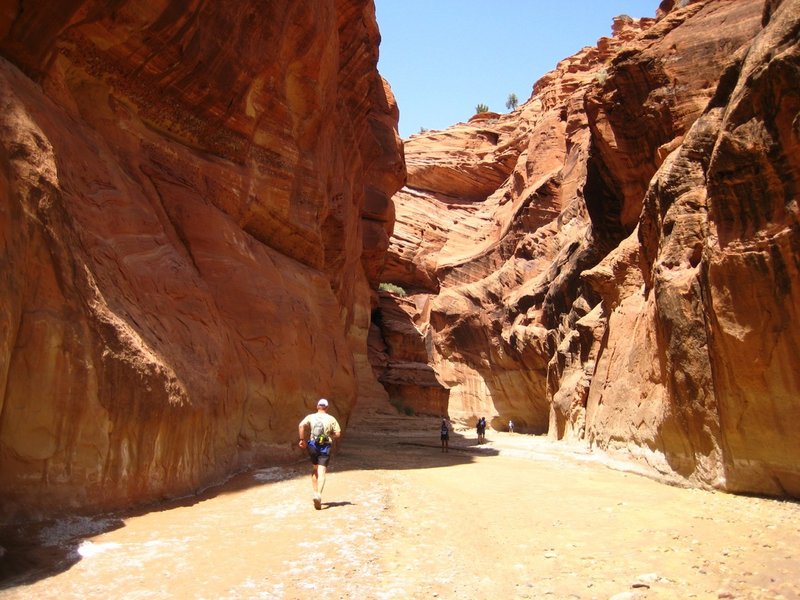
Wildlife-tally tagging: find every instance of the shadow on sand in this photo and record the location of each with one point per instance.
(327, 505)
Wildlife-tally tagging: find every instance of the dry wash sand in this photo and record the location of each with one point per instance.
(516, 518)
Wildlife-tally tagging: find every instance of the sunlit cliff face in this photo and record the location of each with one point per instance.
(197, 203)
(587, 265)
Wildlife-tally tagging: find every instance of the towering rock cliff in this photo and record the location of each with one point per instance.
(195, 206)
(617, 260)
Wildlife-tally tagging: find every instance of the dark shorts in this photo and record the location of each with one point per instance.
(445, 436)
(319, 455)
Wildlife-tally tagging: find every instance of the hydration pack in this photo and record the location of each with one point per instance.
(318, 435)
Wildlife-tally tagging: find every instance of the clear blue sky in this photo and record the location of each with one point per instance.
(444, 57)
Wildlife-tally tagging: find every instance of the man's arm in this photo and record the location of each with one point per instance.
(301, 433)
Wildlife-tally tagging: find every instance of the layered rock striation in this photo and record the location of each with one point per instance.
(616, 261)
(195, 207)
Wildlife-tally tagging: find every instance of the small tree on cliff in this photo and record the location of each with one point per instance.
(512, 101)
(481, 108)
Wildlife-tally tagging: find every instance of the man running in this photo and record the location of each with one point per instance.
(324, 428)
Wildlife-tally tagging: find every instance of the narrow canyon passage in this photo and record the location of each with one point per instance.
(518, 517)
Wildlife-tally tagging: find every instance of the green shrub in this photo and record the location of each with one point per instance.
(481, 108)
(392, 289)
(401, 408)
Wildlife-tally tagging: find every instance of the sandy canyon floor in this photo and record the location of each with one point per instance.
(517, 517)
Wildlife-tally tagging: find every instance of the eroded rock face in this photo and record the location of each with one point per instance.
(721, 233)
(195, 204)
(634, 278)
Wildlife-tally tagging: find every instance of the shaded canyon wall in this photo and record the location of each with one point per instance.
(616, 260)
(195, 209)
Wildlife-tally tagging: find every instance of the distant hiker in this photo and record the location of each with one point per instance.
(444, 434)
(323, 430)
(481, 427)
(511, 427)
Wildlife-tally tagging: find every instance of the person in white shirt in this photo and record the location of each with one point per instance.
(322, 429)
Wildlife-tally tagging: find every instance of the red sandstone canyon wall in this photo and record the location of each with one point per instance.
(616, 261)
(195, 209)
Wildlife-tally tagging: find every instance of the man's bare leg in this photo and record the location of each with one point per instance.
(318, 484)
(321, 472)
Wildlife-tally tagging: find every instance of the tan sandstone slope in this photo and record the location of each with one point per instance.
(618, 260)
(195, 205)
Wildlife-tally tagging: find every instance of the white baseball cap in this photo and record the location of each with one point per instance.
(322, 402)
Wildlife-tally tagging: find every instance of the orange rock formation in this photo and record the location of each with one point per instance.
(617, 259)
(195, 204)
